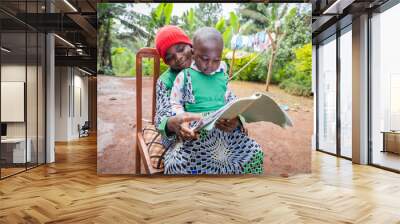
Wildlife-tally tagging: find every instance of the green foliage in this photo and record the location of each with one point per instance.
(148, 67)
(161, 15)
(122, 34)
(299, 79)
(123, 62)
(107, 70)
(207, 14)
(296, 87)
(118, 50)
(252, 72)
(163, 67)
(220, 26)
(189, 20)
(234, 22)
(227, 36)
(303, 62)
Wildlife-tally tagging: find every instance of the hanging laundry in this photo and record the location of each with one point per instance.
(233, 42)
(257, 42)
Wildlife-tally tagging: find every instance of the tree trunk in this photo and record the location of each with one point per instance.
(271, 61)
(106, 57)
(269, 72)
(232, 64)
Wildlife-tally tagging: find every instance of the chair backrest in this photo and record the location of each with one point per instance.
(86, 125)
(145, 53)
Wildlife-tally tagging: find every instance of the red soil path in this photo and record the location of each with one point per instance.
(287, 151)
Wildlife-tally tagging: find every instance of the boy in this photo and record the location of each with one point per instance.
(202, 88)
(208, 74)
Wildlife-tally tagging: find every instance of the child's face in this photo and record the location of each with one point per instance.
(207, 55)
(179, 56)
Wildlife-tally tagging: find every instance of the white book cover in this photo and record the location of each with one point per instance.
(257, 107)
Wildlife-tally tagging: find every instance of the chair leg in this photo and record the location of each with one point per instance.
(138, 159)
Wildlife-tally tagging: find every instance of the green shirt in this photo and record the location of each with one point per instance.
(208, 91)
(167, 78)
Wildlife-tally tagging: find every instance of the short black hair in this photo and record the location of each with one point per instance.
(207, 34)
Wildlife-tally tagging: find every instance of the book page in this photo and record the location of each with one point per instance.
(258, 107)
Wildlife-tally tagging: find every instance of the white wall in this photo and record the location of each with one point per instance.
(62, 80)
(71, 93)
(33, 126)
(80, 114)
(14, 72)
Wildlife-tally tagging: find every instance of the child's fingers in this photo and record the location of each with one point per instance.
(226, 125)
(222, 126)
(188, 117)
(186, 132)
(232, 123)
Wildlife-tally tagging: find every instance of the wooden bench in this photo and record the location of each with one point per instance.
(142, 152)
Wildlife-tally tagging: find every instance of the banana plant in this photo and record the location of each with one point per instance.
(228, 31)
(159, 17)
(189, 22)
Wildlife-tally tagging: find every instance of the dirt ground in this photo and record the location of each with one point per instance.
(287, 151)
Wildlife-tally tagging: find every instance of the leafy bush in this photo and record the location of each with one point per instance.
(148, 67)
(106, 70)
(163, 67)
(123, 62)
(298, 79)
(296, 87)
(253, 72)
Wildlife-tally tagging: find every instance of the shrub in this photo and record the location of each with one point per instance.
(123, 62)
(253, 72)
(296, 87)
(163, 67)
(298, 76)
(148, 67)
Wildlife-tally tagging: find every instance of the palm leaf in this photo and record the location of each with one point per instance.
(190, 18)
(257, 16)
(158, 11)
(227, 36)
(247, 27)
(220, 25)
(167, 12)
(139, 31)
(284, 10)
(274, 13)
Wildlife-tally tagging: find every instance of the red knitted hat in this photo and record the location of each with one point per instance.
(168, 36)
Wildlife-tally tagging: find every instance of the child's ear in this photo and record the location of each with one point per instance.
(191, 49)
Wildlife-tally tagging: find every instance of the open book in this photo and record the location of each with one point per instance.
(258, 107)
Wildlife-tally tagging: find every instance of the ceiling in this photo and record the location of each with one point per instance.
(74, 22)
(330, 15)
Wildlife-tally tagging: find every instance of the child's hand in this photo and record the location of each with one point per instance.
(186, 133)
(180, 125)
(226, 124)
